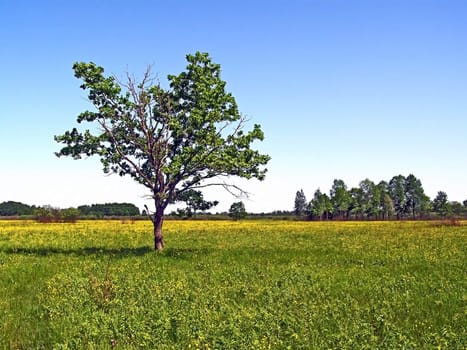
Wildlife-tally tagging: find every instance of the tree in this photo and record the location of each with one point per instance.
(300, 205)
(457, 208)
(356, 199)
(415, 196)
(237, 211)
(368, 203)
(376, 201)
(397, 193)
(172, 140)
(386, 206)
(340, 198)
(195, 201)
(441, 205)
(425, 205)
(47, 213)
(69, 215)
(320, 205)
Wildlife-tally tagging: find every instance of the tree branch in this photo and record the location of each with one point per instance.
(124, 156)
(241, 193)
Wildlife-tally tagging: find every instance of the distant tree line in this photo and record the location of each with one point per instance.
(49, 213)
(109, 209)
(11, 208)
(400, 198)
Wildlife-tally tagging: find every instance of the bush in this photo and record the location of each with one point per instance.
(70, 215)
(47, 214)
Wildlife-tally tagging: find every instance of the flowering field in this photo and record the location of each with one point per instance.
(233, 285)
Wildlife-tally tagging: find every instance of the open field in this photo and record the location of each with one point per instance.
(233, 285)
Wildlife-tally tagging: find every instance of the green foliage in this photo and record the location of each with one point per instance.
(340, 198)
(320, 205)
(416, 200)
(402, 196)
(195, 202)
(224, 285)
(11, 208)
(47, 214)
(441, 204)
(109, 209)
(70, 214)
(457, 209)
(397, 193)
(368, 202)
(237, 211)
(387, 206)
(300, 204)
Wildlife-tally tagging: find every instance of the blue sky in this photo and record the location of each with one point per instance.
(343, 89)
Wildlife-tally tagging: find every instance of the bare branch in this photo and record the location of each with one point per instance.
(240, 193)
(124, 156)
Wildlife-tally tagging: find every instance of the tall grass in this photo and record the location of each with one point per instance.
(233, 285)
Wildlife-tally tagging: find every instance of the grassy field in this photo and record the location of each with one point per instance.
(233, 285)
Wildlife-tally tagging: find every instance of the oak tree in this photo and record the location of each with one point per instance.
(170, 140)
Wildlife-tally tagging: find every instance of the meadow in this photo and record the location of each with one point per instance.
(233, 285)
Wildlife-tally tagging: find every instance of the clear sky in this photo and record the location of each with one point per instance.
(343, 89)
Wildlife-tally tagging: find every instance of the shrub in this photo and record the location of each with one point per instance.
(47, 214)
(70, 215)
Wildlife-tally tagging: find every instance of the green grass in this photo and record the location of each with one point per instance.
(233, 285)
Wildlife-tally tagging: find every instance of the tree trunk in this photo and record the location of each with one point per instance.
(158, 239)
